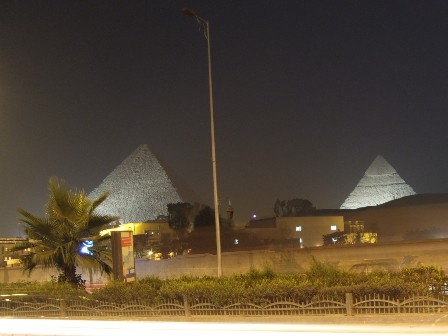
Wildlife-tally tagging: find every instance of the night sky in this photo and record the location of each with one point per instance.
(307, 94)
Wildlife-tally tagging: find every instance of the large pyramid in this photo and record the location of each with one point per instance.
(380, 184)
(140, 188)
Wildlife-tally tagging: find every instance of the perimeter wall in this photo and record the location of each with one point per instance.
(431, 252)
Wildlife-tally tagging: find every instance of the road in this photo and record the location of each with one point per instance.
(28, 327)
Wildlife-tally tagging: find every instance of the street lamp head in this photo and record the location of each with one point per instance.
(189, 12)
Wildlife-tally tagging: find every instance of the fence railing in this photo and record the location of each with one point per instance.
(374, 304)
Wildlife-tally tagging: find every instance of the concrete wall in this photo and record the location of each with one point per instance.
(431, 252)
(16, 274)
(298, 260)
(204, 264)
(40, 274)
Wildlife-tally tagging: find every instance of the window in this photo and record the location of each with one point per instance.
(333, 228)
(298, 228)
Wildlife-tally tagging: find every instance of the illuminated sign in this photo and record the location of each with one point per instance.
(86, 245)
(123, 255)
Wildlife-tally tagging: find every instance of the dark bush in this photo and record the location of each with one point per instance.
(146, 291)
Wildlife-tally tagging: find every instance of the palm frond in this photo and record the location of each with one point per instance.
(100, 222)
(94, 263)
(101, 239)
(36, 228)
(27, 262)
(56, 238)
(28, 217)
(99, 200)
(45, 258)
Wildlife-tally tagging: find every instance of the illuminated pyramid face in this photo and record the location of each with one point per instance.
(140, 188)
(380, 184)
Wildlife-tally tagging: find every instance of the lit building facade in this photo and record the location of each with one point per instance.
(294, 232)
(148, 237)
(8, 258)
(154, 230)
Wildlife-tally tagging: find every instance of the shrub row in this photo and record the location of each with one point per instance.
(262, 286)
(257, 286)
(37, 291)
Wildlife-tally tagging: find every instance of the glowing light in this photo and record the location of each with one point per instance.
(85, 247)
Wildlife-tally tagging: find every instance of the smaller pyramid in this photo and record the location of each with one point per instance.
(140, 188)
(380, 184)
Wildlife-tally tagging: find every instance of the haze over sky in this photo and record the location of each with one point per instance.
(307, 94)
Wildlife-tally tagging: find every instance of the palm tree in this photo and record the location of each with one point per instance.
(55, 240)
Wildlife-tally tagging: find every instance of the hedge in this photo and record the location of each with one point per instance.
(256, 286)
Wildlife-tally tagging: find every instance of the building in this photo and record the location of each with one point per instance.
(148, 236)
(153, 229)
(294, 232)
(8, 258)
(416, 217)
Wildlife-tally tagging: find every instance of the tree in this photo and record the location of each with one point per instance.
(180, 217)
(205, 217)
(203, 240)
(278, 208)
(140, 244)
(56, 239)
(294, 207)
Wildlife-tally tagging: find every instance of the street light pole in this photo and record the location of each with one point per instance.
(206, 26)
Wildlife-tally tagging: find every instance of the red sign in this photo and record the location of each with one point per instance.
(126, 241)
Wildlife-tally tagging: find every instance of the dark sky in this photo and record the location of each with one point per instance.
(307, 94)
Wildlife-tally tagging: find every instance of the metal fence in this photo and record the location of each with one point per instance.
(282, 307)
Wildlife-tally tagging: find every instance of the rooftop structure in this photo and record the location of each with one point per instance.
(380, 184)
